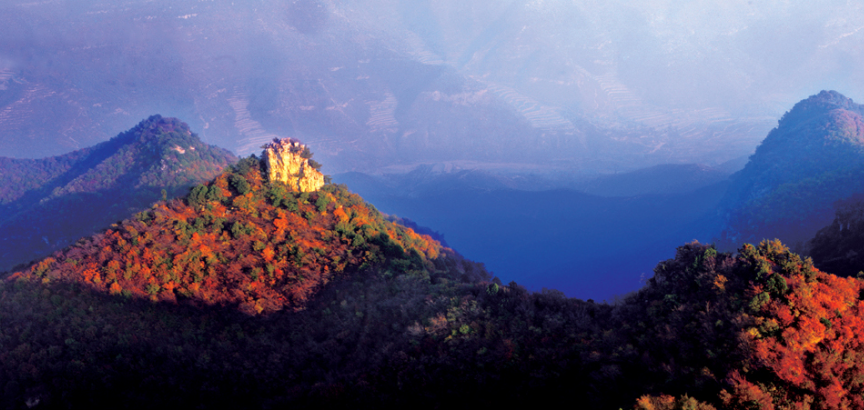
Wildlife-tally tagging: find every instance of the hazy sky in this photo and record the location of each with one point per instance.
(380, 84)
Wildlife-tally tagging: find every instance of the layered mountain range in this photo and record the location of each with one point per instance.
(384, 85)
(265, 286)
(250, 291)
(786, 190)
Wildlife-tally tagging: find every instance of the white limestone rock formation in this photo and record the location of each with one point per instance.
(287, 160)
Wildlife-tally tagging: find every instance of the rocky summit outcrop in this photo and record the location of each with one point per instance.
(290, 161)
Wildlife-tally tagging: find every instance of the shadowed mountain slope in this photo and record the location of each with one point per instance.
(48, 203)
(811, 159)
(839, 246)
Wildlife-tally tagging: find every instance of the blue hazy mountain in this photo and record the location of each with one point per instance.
(46, 204)
(810, 160)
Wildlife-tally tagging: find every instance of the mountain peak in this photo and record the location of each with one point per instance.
(801, 167)
(165, 124)
(817, 105)
(167, 132)
(829, 97)
(242, 240)
(152, 127)
(53, 201)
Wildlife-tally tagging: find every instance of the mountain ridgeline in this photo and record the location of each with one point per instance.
(814, 157)
(520, 225)
(48, 203)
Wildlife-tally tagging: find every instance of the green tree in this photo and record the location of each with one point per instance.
(198, 196)
(239, 183)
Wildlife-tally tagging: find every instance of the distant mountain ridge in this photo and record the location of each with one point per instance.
(659, 179)
(355, 81)
(811, 159)
(47, 203)
(522, 234)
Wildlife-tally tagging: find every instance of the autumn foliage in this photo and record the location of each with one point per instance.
(246, 293)
(760, 329)
(240, 240)
(804, 333)
(666, 402)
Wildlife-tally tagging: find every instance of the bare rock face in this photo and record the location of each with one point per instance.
(287, 160)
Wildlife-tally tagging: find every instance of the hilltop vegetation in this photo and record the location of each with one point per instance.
(48, 203)
(242, 240)
(763, 327)
(235, 248)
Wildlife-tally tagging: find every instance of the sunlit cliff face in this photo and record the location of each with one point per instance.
(286, 163)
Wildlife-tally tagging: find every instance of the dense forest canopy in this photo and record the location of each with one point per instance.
(579, 146)
(246, 292)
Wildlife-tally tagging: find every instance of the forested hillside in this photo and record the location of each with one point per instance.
(810, 160)
(245, 293)
(48, 203)
(241, 240)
